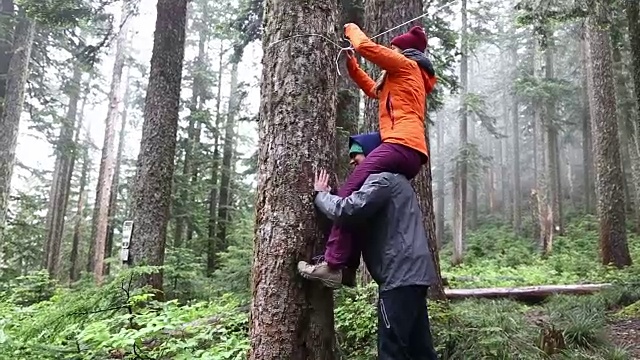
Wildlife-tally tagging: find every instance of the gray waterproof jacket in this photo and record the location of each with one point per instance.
(396, 252)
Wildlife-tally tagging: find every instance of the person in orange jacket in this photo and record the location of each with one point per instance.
(406, 80)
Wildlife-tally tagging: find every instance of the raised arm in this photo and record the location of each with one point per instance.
(361, 204)
(361, 78)
(382, 56)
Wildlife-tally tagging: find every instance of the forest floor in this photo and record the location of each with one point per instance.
(625, 333)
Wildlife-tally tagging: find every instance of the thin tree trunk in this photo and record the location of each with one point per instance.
(108, 161)
(440, 193)
(184, 215)
(515, 131)
(115, 182)
(460, 181)
(545, 211)
(213, 194)
(633, 19)
(82, 192)
(7, 10)
(225, 169)
(553, 158)
(613, 236)
(60, 186)
(10, 119)
(291, 318)
(587, 146)
(155, 167)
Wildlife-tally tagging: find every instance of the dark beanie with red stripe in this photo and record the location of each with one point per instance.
(415, 38)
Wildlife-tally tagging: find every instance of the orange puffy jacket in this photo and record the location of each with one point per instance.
(402, 98)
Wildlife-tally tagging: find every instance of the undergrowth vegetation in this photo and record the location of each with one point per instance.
(207, 318)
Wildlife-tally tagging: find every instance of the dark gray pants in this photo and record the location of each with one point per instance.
(404, 332)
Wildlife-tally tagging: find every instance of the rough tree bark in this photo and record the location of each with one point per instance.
(10, 120)
(61, 182)
(292, 318)
(108, 160)
(460, 177)
(155, 166)
(213, 193)
(613, 236)
(224, 200)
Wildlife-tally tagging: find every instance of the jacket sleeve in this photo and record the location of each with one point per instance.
(361, 78)
(382, 56)
(362, 203)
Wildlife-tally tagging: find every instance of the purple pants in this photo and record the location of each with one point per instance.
(345, 243)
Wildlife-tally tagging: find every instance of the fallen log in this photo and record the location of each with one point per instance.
(526, 293)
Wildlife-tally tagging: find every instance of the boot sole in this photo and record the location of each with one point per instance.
(325, 282)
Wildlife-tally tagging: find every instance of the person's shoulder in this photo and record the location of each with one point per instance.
(387, 178)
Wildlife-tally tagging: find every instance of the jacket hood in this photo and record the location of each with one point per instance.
(428, 73)
(368, 141)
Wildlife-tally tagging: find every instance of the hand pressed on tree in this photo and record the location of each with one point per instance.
(321, 181)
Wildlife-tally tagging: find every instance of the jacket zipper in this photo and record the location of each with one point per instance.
(390, 111)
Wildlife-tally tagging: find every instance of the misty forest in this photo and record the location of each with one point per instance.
(156, 180)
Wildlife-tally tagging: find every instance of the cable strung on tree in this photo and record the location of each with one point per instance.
(349, 46)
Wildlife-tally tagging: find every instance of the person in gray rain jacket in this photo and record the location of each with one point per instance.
(396, 254)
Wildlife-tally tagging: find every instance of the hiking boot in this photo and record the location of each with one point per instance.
(321, 272)
(349, 277)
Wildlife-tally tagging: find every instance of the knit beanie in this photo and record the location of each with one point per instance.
(355, 149)
(415, 38)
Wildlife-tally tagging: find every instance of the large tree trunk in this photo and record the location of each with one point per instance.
(10, 119)
(152, 189)
(108, 161)
(60, 186)
(613, 236)
(224, 204)
(213, 193)
(460, 180)
(292, 318)
(6, 42)
(115, 181)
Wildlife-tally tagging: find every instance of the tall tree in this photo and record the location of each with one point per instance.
(213, 192)
(108, 160)
(152, 190)
(515, 135)
(587, 147)
(633, 20)
(60, 186)
(460, 177)
(7, 10)
(17, 75)
(609, 180)
(292, 318)
(224, 203)
(115, 180)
